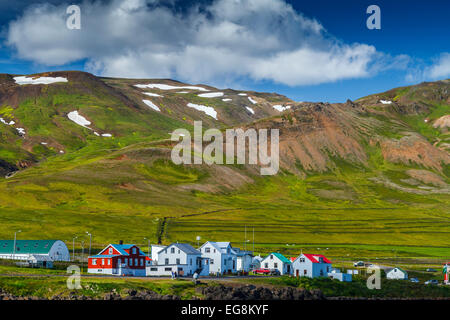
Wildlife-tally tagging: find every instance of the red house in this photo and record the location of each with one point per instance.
(119, 259)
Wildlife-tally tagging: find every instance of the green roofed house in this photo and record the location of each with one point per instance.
(36, 252)
(276, 261)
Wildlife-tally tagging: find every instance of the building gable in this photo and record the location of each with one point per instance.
(26, 246)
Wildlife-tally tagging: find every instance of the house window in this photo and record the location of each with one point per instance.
(134, 250)
(178, 261)
(94, 262)
(321, 272)
(110, 251)
(126, 261)
(167, 269)
(275, 265)
(207, 250)
(179, 251)
(136, 263)
(109, 262)
(120, 261)
(302, 259)
(266, 265)
(103, 261)
(214, 250)
(212, 261)
(153, 269)
(166, 261)
(172, 250)
(224, 262)
(271, 257)
(305, 272)
(142, 262)
(131, 262)
(190, 262)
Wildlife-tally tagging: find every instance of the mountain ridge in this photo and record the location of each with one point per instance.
(380, 152)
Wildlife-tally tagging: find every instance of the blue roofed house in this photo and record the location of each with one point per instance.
(119, 259)
(276, 261)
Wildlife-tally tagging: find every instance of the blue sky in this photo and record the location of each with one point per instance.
(308, 50)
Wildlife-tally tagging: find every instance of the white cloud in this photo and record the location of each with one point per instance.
(226, 40)
(440, 69)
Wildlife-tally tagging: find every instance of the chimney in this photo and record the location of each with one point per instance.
(120, 241)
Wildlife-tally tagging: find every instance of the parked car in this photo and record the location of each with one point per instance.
(415, 280)
(431, 270)
(261, 271)
(433, 282)
(274, 272)
(359, 264)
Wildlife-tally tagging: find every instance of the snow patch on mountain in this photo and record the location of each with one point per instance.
(211, 95)
(281, 108)
(250, 110)
(151, 105)
(151, 94)
(162, 86)
(252, 101)
(39, 80)
(208, 110)
(78, 119)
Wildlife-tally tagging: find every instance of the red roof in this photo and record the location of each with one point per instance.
(147, 258)
(292, 259)
(314, 258)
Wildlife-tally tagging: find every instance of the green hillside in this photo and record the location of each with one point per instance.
(362, 178)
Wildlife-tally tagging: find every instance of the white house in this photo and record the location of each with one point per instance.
(397, 273)
(36, 250)
(311, 266)
(220, 255)
(181, 258)
(277, 261)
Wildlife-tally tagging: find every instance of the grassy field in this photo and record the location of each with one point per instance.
(48, 287)
(126, 188)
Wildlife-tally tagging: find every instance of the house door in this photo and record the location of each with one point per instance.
(297, 272)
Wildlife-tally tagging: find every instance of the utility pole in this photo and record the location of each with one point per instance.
(253, 240)
(73, 247)
(245, 238)
(82, 255)
(14, 249)
(90, 242)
